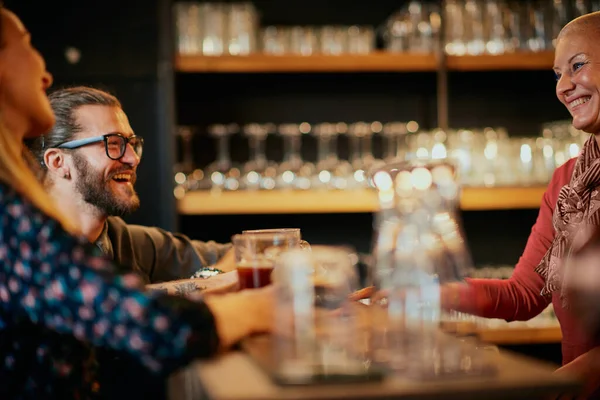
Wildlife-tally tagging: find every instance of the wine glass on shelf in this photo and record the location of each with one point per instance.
(362, 133)
(358, 177)
(292, 171)
(374, 127)
(259, 173)
(326, 158)
(221, 174)
(394, 135)
(185, 166)
(342, 171)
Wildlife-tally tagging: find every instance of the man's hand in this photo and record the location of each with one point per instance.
(218, 284)
(227, 262)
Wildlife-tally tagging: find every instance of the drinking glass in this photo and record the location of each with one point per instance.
(242, 26)
(222, 173)
(259, 173)
(255, 255)
(303, 40)
(275, 40)
(214, 31)
(295, 232)
(318, 330)
(394, 134)
(333, 40)
(185, 165)
(291, 173)
(327, 160)
(188, 28)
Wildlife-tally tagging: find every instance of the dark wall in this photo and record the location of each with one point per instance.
(125, 47)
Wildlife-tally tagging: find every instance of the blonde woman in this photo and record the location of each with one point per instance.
(58, 297)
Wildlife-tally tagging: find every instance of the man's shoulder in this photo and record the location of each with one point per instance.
(118, 226)
(116, 222)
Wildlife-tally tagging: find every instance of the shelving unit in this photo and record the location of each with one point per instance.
(262, 63)
(375, 62)
(351, 201)
(519, 61)
(520, 336)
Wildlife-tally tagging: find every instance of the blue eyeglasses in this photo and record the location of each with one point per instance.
(115, 144)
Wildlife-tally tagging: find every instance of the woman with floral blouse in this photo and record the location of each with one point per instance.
(59, 298)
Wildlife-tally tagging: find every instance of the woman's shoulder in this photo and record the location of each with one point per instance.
(561, 177)
(23, 218)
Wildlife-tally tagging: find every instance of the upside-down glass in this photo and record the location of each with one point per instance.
(255, 255)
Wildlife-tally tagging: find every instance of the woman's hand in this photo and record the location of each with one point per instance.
(451, 295)
(241, 314)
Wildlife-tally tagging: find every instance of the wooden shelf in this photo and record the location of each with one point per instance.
(510, 61)
(375, 62)
(524, 335)
(264, 63)
(339, 201)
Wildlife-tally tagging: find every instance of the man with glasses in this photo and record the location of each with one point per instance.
(91, 157)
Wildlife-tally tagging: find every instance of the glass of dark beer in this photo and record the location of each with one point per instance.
(256, 253)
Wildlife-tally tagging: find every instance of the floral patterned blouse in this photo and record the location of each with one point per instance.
(59, 299)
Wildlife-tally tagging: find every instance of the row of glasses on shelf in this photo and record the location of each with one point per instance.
(309, 40)
(476, 27)
(484, 157)
(494, 27)
(293, 171)
(490, 157)
(216, 29)
(469, 27)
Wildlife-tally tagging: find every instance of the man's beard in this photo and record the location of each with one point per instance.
(96, 191)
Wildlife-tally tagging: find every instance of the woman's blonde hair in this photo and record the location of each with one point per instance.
(16, 171)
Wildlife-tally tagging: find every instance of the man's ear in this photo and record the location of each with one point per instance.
(56, 163)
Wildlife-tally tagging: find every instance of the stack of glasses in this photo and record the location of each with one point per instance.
(485, 157)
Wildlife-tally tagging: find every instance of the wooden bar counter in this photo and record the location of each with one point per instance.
(236, 376)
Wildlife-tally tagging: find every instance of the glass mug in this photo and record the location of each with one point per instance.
(304, 245)
(256, 253)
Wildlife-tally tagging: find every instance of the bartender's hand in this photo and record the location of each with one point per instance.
(364, 293)
(450, 295)
(241, 314)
